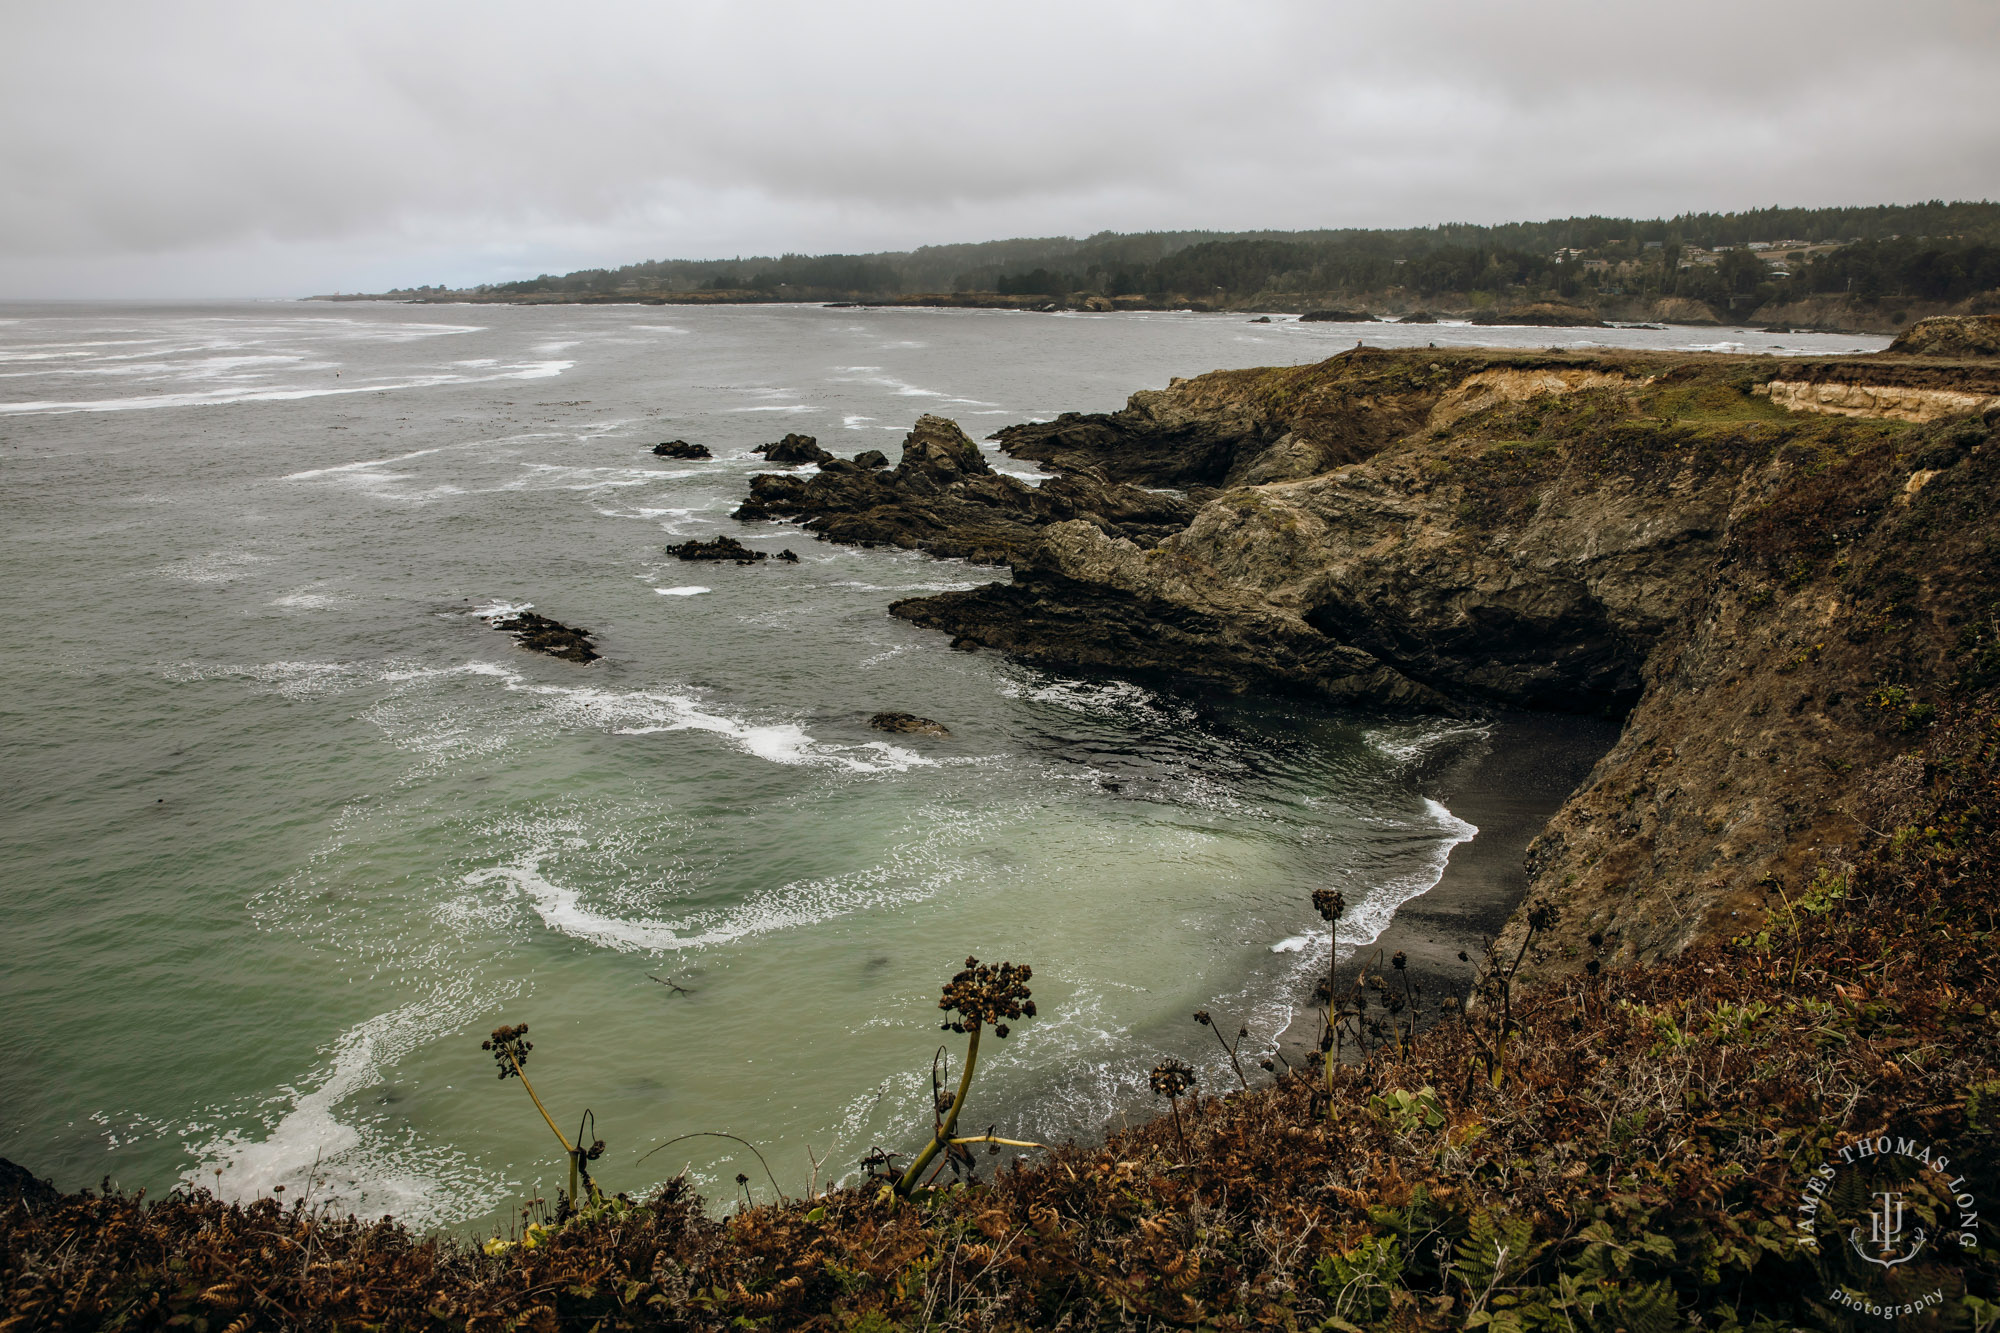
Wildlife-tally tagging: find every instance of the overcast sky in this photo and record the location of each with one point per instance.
(277, 148)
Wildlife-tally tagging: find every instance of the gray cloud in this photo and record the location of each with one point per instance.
(257, 148)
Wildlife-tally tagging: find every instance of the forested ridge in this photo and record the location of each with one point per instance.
(1932, 254)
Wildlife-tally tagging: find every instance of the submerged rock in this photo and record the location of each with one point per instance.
(682, 449)
(908, 723)
(788, 556)
(722, 548)
(794, 450)
(547, 636)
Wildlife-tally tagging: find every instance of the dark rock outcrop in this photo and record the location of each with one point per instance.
(682, 449)
(1956, 336)
(945, 498)
(1544, 314)
(871, 458)
(908, 724)
(20, 1185)
(543, 635)
(1336, 317)
(794, 450)
(1418, 317)
(722, 548)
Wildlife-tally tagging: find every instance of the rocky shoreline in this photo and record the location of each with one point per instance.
(1808, 590)
(1766, 587)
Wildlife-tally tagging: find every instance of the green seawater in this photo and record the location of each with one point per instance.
(289, 828)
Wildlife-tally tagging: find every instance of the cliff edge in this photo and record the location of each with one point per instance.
(1770, 570)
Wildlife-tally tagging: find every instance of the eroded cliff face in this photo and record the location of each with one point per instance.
(1772, 599)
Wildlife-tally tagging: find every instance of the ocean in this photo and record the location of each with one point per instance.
(289, 828)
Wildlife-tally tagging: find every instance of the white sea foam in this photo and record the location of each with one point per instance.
(364, 465)
(215, 567)
(1085, 696)
(917, 869)
(1370, 916)
(281, 393)
(653, 712)
(316, 1153)
(1411, 741)
(956, 586)
(311, 601)
(691, 590)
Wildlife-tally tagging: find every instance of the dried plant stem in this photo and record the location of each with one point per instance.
(1332, 1053)
(568, 1148)
(942, 1136)
(1231, 1052)
(1175, 1104)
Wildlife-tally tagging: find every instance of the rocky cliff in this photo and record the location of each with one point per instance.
(1772, 599)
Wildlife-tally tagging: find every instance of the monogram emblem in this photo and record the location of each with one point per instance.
(1885, 1228)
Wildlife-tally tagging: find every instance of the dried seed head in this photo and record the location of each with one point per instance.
(1464, 957)
(1171, 1079)
(1399, 960)
(1542, 915)
(1201, 1017)
(1593, 967)
(1596, 940)
(510, 1047)
(1329, 903)
(986, 993)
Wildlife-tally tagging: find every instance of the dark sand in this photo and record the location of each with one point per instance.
(1508, 789)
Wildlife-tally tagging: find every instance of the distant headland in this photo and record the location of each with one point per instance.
(1874, 269)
